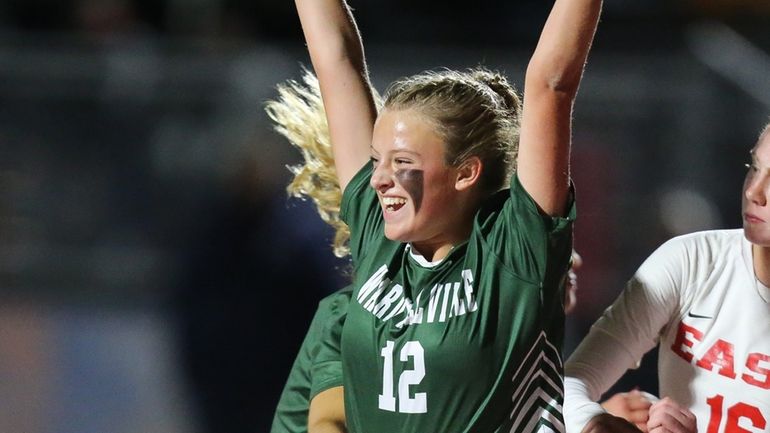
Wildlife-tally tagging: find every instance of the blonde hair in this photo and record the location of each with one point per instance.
(299, 116)
(476, 112)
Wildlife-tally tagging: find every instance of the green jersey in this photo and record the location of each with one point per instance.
(469, 344)
(309, 375)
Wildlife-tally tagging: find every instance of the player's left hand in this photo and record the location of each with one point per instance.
(667, 416)
(634, 406)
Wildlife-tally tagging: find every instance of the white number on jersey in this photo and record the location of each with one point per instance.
(408, 378)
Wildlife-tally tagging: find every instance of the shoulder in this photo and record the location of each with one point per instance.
(337, 296)
(335, 301)
(705, 245)
(688, 259)
(516, 206)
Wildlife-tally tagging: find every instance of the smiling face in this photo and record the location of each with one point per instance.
(756, 192)
(422, 199)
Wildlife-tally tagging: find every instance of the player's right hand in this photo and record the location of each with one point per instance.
(633, 406)
(667, 416)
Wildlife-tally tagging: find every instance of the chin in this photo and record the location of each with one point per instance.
(757, 237)
(399, 233)
(394, 234)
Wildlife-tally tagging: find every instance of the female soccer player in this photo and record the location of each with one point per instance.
(299, 116)
(456, 319)
(703, 298)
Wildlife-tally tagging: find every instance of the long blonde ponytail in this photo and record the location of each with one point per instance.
(299, 116)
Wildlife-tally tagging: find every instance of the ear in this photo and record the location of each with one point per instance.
(468, 173)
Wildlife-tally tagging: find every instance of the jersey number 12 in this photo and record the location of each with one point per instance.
(406, 403)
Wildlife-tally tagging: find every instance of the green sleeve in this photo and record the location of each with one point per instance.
(550, 238)
(532, 246)
(294, 403)
(326, 369)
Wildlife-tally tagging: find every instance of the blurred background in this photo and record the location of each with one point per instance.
(154, 276)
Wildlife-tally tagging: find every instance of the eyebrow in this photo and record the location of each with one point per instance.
(755, 160)
(412, 152)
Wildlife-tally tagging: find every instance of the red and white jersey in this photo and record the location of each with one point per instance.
(697, 297)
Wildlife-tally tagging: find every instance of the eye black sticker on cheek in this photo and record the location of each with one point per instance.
(412, 181)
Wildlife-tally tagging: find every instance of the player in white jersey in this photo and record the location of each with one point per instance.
(704, 299)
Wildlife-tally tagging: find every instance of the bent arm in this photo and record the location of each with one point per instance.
(551, 84)
(337, 55)
(625, 332)
(327, 412)
(597, 363)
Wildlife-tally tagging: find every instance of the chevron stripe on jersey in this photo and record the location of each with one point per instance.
(538, 397)
(447, 347)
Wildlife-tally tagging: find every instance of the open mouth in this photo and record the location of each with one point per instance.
(393, 204)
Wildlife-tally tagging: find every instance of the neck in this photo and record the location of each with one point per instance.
(437, 249)
(761, 258)
(432, 253)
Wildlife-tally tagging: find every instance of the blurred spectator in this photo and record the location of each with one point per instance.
(248, 291)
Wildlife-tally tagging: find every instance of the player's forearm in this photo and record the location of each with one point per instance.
(579, 408)
(331, 34)
(551, 83)
(598, 361)
(337, 54)
(562, 50)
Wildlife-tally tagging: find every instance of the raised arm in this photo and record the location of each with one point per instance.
(551, 84)
(338, 59)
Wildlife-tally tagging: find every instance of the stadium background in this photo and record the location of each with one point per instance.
(154, 277)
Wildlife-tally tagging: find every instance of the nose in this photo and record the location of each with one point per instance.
(381, 178)
(756, 189)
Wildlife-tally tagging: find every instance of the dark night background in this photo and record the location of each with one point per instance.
(156, 278)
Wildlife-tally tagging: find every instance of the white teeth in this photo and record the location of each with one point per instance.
(392, 201)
